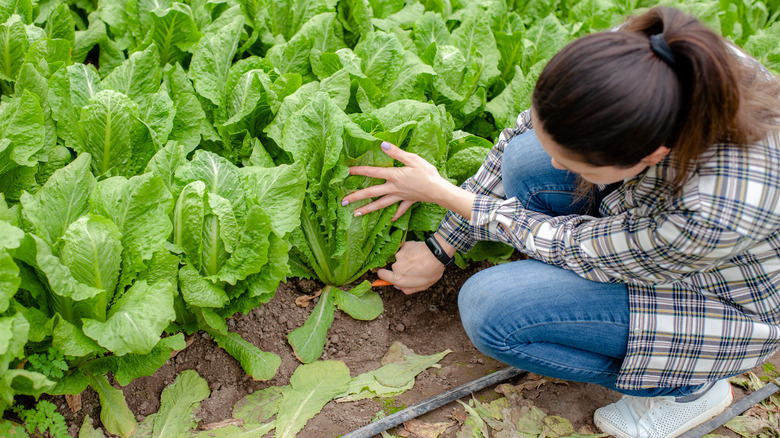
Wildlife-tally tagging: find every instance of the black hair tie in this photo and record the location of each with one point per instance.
(661, 49)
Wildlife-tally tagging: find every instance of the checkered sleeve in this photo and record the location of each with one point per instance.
(732, 203)
(455, 228)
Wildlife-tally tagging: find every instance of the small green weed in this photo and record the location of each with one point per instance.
(770, 372)
(44, 417)
(51, 364)
(390, 405)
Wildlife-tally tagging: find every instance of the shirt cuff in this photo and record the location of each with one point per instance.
(488, 214)
(454, 229)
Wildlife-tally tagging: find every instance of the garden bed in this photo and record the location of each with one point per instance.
(426, 322)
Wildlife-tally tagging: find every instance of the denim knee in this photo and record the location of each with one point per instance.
(473, 304)
(528, 175)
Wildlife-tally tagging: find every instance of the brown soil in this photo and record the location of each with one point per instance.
(426, 322)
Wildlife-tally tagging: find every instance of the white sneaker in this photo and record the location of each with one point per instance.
(661, 417)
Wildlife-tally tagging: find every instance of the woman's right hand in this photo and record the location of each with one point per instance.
(415, 268)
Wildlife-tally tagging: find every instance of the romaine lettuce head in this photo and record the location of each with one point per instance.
(333, 245)
(229, 225)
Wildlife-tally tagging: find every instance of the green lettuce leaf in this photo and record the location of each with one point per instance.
(135, 322)
(312, 386)
(178, 403)
(261, 365)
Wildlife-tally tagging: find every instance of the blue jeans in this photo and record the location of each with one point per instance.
(542, 318)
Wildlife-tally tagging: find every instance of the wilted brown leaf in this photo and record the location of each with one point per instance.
(223, 423)
(557, 426)
(748, 426)
(423, 429)
(303, 300)
(74, 402)
(397, 352)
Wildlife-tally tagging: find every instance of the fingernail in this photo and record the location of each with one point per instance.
(344, 203)
(358, 214)
(386, 145)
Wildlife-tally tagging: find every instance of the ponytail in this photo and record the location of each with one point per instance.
(663, 78)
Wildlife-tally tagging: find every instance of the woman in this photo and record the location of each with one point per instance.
(665, 285)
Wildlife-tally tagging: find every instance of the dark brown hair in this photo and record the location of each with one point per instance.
(610, 100)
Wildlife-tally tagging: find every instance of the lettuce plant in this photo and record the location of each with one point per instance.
(229, 226)
(331, 244)
(87, 262)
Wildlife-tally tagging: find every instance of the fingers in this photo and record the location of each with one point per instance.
(368, 192)
(402, 209)
(384, 201)
(399, 154)
(371, 171)
(388, 275)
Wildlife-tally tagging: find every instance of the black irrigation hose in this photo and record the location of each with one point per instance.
(732, 411)
(507, 373)
(433, 403)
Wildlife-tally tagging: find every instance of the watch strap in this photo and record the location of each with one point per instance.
(438, 251)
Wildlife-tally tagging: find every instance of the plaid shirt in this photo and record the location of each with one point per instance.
(702, 265)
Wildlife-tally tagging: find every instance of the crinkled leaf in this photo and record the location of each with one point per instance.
(22, 8)
(60, 24)
(260, 406)
(21, 121)
(174, 31)
(9, 278)
(13, 45)
(140, 207)
(188, 219)
(135, 322)
(215, 250)
(39, 329)
(92, 251)
(382, 57)
(308, 341)
(137, 77)
(13, 336)
(259, 288)
(114, 413)
(88, 431)
(474, 35)
(157, 112)
(313, 385)
(178, 403)
(212, 60)
(70, 340)
(430, 28)
(47, 55)
(251, 248)
(110, 130)
(132, 366)
(164, 164)
(221, 177)
(198, 291)
(189, 114)
(261, 365)
(62, 200)
(360, 303)
(543, 40)
(279, 191)
(71, 298)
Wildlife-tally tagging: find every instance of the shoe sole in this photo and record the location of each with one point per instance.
(710, 413)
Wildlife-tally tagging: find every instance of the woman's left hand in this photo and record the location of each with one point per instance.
(418, 181)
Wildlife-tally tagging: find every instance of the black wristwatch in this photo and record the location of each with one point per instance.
(438, 251)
